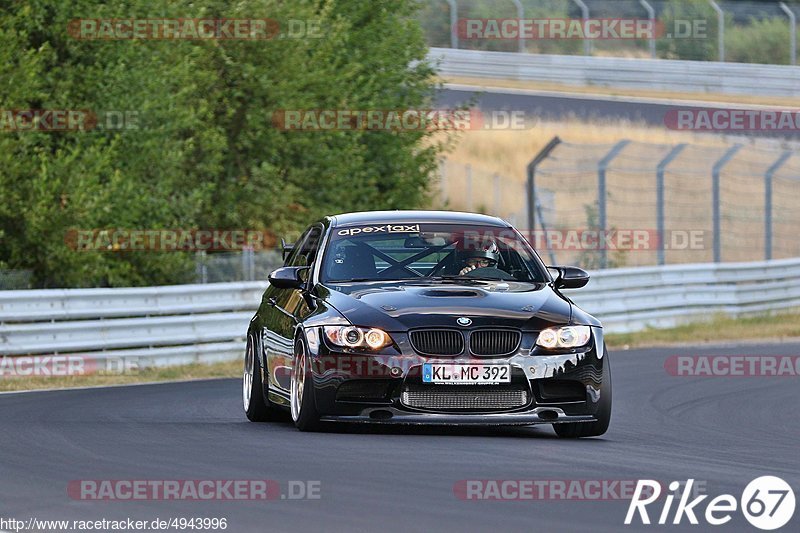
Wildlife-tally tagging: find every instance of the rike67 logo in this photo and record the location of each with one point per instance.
(767, 503)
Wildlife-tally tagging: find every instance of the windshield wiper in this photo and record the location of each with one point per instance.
(356, 280)
(460, 278)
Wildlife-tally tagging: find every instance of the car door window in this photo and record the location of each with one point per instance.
(293, 258)
(306, 253)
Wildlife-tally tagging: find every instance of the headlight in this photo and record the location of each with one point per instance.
(353, 337)
(566, 337)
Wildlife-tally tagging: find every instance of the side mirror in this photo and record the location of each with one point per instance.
(569, 277)
(287, 277)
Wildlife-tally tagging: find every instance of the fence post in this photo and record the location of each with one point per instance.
(587, 44)
(496, 194)
(715, 198)
(662, 167)
(201, 270)
(443, 180)
(541, 156)
(768, 202)
(602, 167)
(453, 23)
(651, 14)
(792, 33)
(468, 187)
(720, 29)
(520, 17)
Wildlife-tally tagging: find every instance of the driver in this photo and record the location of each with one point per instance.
(487, 256)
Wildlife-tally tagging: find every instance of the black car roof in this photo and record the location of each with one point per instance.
(413, 217)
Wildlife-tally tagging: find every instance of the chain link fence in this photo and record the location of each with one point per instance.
(721, 30)
(16, 279)
(635, 204)
(246, 265)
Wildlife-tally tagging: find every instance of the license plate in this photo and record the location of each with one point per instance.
(451, 374)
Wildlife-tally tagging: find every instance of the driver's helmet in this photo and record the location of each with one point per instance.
(487, 254)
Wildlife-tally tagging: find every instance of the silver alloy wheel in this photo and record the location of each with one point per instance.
(247, 379)
(298, 380)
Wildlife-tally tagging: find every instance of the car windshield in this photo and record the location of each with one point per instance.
(429, 252)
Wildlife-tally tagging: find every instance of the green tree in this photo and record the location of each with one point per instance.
(205, 154)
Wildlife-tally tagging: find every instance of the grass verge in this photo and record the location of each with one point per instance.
(718, 330)
(228, 369)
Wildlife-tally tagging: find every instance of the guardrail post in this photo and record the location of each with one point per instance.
(792, 32)
(715, 198)
(533, 205)
(453, 23)
(602, 195)
(520, 17)
(768, 202)
(720, 29)
(651, 14)
(660, 169)
(587, 44)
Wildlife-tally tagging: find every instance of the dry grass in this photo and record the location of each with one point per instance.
(617, 91)
(780, 327)
(226, 369)
(509, 151)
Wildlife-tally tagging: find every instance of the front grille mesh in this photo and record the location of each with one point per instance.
(437, 341)
(465, 397)
(494, 342)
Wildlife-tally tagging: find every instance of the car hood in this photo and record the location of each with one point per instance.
(397, 306)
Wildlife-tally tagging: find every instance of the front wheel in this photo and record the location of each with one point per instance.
(303, 405)
(575, 430)
(256, 404)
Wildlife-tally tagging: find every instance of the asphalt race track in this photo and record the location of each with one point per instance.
(548, 105)
(723, 431)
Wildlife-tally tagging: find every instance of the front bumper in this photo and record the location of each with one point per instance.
(581, 372)
(391, 415)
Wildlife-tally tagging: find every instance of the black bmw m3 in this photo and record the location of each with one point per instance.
(424, 317)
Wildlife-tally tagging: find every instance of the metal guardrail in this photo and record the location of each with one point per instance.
(632, 299)
(163, 326)
(663, 75)
(159, 326)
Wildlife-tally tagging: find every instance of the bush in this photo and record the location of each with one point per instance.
(762, 41)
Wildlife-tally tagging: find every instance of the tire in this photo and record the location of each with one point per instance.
(576, 430)
(302, 401)
(257, 406)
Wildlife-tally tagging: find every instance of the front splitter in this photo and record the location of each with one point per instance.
(390, 415)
